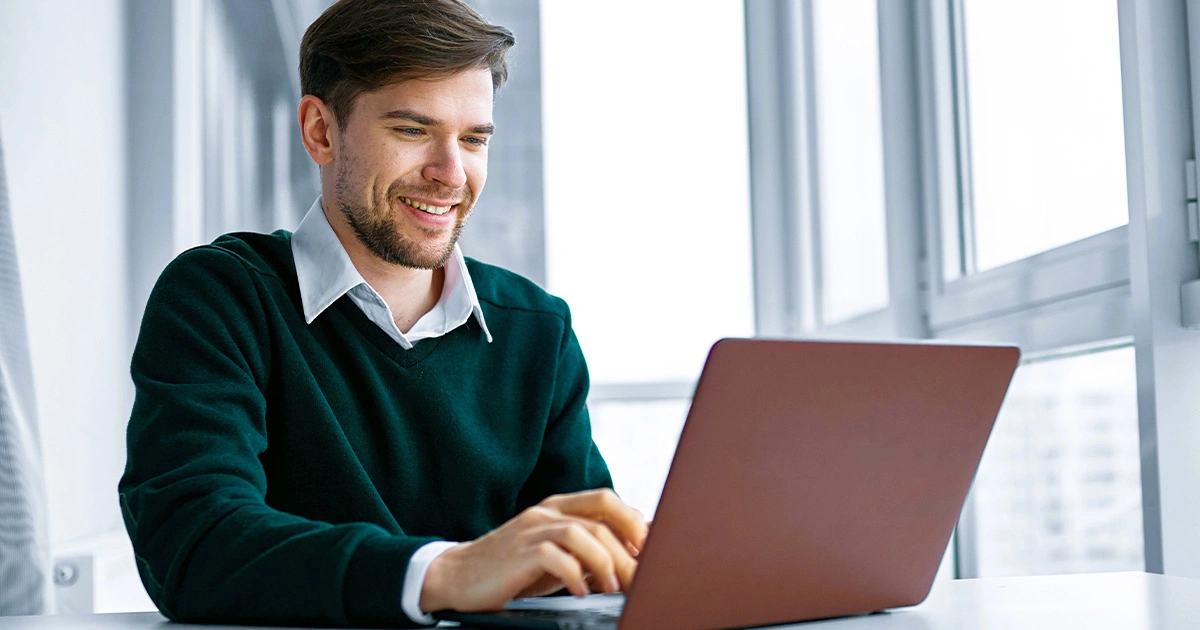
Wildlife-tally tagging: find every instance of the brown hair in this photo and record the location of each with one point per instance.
(359, 46)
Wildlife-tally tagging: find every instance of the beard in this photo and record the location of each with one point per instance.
(380, 226)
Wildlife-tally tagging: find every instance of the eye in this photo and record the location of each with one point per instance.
(408, 131)
(476, 140)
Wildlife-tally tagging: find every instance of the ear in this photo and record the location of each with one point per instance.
(317, 129)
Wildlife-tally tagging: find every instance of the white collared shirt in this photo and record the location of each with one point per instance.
(325, 273)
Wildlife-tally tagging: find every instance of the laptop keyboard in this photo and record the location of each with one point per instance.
(565, 620)
(550, 615)
(569, 613)
(609, 604)
(605, 607)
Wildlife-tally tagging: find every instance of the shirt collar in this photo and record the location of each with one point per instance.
(326, 273)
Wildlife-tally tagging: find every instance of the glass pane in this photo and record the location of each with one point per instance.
(1046, 130)
(637, 439)
(1059, 489)
(647, 181)
(849, 158)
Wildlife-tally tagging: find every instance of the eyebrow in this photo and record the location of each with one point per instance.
(421, 119)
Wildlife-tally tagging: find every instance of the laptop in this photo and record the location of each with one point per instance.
(812, 479)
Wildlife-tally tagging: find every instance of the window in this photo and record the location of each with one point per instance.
(638, 439)
(1032, 237)
(1011, 218)
(849, 158)
(1045, 134)
(647, 208)
(1059, 489)
(1039, 257)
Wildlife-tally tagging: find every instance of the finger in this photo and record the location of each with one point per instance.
(561, 564)
(604, 506)
(623, 563)
(635, 550)
(577, 538)
(546, 585)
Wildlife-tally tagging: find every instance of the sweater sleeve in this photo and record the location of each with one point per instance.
(193, 495)
(569, 460)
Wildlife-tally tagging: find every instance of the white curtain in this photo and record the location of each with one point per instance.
(25, 587)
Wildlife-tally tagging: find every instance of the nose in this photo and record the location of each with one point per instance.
(444, 165)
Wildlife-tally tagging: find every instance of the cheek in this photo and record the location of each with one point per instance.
(476, 170)
(390, 168)
(393, 164)
(386, 159)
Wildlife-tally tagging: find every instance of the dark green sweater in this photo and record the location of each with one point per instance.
(281, 472)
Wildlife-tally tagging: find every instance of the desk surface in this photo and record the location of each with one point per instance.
(1109, 601)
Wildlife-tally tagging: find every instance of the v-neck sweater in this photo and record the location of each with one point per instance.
(283, 472)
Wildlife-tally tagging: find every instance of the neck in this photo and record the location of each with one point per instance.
(410, 293)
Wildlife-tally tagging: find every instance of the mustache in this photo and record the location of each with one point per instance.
(459, 195)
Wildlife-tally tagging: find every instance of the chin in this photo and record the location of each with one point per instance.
(433, 258)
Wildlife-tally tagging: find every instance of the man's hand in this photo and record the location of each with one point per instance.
(568, 540)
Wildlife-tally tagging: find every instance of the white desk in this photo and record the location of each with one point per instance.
(1111, 601)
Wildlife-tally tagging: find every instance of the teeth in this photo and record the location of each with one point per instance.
(426, 207)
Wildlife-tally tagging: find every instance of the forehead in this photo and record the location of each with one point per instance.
(463, 98)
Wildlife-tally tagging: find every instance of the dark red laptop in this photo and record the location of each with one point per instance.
(812, 479)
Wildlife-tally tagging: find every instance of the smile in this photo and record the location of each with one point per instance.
(439, 210)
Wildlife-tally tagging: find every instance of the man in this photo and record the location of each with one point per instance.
(321, 416)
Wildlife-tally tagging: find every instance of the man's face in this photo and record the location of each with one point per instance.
(410, 163)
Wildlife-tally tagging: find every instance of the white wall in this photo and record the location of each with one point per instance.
(62, 116)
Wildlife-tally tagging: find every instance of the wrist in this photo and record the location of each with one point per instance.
(436, 590)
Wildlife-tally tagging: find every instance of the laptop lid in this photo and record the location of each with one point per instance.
(815, 479)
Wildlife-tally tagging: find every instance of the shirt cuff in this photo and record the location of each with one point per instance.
(414, 580)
